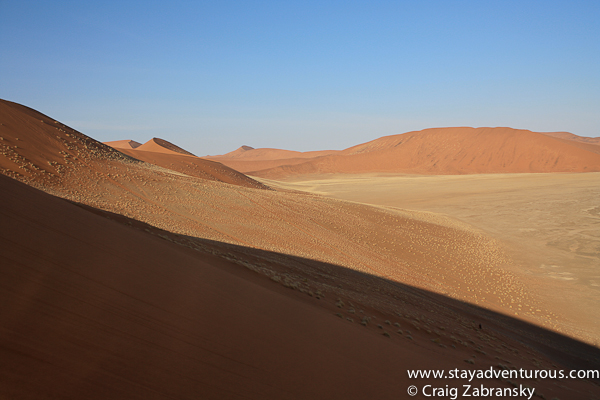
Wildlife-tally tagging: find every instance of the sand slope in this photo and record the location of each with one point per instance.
(194, 166)
(548, 222)
(450, 151)
(570, 136)
(167, 155)
(95, 309)
(98, 306)
(40, 150)
(162, 146)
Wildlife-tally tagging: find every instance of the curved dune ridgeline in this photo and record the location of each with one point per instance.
(40, 150)
(442, 151)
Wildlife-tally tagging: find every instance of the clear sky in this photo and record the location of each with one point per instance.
(301, 75)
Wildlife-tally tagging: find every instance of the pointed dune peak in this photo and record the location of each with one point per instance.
(158, 145)
(123, 144)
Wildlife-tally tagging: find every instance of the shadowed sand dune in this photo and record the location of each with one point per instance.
(96, 305)
(150, 283)
(447, 151)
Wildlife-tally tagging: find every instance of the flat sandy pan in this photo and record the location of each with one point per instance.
(549, 224)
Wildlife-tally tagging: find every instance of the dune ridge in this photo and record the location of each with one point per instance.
(40, 150)
(165, 154)
(123, 144)
(443, 151)
(158, 145)
(263, 154)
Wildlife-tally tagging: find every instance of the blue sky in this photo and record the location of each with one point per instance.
(301, 75)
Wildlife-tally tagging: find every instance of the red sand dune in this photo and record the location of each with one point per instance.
(194, 166)
(167, 155)
(570, 136)
(98, 306)
(451, 151)
(40, 149)
(249, 153)
(246, 158)
(123, 144)
(150, 284)
(162, 146)
(93, 309)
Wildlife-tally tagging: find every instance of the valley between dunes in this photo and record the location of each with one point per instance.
(549, 224)
(157, 274)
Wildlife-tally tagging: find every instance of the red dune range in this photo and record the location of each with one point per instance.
(167, 155)
(39, 149)
(128, 280)
(246, 158)
(444, 151)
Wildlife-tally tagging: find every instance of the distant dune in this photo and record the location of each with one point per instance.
(249, 153)
(570, 136)
(246, 158)
(162, 146)
(444, 151)
(123, 144)
(167, 155)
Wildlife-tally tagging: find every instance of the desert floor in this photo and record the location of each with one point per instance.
(548, 223)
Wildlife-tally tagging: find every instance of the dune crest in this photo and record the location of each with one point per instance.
(123, 144)
(442, 151)
(40, 150)
(158, 145)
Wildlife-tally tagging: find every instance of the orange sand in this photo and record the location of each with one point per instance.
(150, 283)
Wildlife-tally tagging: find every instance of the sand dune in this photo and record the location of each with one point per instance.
(449, 151)
(570, 136)
(162, 146)
(246, 158)
(96, 305)
(148, 283)
(40, 150)
(123, 144)
(167, 155)
(194, 166)
(265, 154)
